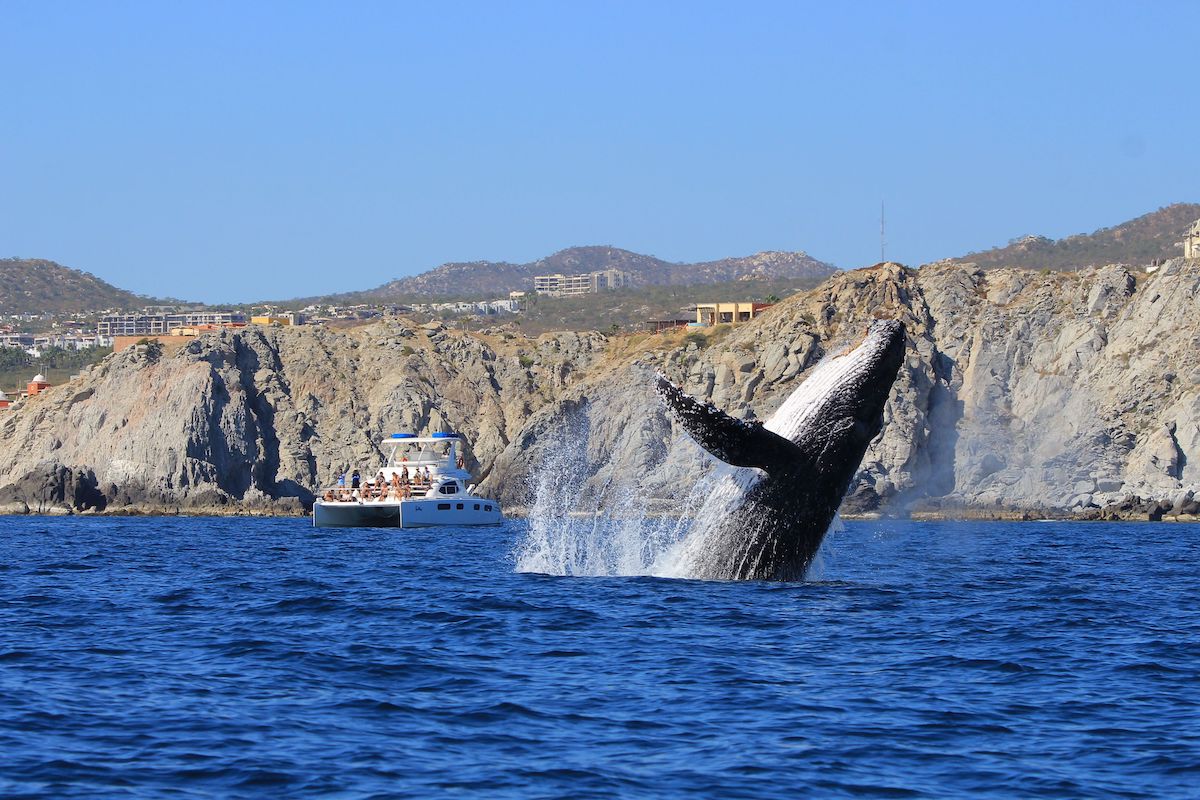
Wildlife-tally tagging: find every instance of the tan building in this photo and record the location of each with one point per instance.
(277, 319)
(720, 313)
(1191, 241)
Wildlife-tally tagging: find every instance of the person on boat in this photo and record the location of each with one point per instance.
(379, 479)
(341, 481)
(328, 498)
(461, 462)
(404, 473)
(355, 479)
(425, 474)
(383, 491)
(396, 484)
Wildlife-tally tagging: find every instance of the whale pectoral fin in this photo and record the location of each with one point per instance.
(734, 441)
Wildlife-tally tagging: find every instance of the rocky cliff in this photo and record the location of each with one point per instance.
(1023, 394)
(255, 420)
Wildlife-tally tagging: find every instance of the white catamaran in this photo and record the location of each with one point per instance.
(423, 484)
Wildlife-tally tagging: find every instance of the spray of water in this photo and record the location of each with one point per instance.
(578, 528)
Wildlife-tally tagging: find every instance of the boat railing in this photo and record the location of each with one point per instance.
(368, 491)
(420, 462)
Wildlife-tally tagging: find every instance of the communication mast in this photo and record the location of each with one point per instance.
(882, 239)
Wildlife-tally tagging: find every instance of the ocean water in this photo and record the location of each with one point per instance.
(152, 657)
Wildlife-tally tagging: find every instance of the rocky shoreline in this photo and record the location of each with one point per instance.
(1024, 395)
(974, 515)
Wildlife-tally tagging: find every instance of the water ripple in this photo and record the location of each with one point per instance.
(260, 658)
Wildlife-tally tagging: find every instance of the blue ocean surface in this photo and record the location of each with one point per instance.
(154, 657)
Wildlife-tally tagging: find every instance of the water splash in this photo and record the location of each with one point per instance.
(579, 528)
(583, 525)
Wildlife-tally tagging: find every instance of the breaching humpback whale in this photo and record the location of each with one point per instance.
(768, 525)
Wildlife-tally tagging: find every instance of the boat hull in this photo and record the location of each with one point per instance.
(415, 513)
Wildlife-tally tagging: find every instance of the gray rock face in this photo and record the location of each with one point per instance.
(1024, 393)
(256, 420)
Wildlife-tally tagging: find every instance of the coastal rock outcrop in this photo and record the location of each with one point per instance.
(1023, 393)
(256, 420)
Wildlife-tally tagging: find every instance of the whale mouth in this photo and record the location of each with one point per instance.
(883, 337)
(886, 329)
(880, 331)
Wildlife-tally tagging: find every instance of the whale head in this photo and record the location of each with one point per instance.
(838, 410)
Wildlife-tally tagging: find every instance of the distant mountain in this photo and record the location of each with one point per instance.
(35, 286)
(1139, 241)
(481, 278)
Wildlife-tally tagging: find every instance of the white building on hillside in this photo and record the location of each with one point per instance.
(154, 323)
(1191, 241)
(559, 285)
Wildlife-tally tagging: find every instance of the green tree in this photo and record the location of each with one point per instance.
(14, 358)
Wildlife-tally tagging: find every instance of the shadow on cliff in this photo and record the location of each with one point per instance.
(246, 457)
(930, 472)
(941, 443)
(56, 487)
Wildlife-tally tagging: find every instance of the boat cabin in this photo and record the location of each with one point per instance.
(439, 454)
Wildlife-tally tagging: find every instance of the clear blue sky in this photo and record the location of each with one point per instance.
(234, 151)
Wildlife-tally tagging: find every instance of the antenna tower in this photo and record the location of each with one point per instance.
(882, 239)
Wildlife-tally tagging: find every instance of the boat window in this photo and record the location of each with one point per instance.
(487, 508)
(443, 506)
(449, 488)
(477, 506)
(460, 506)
